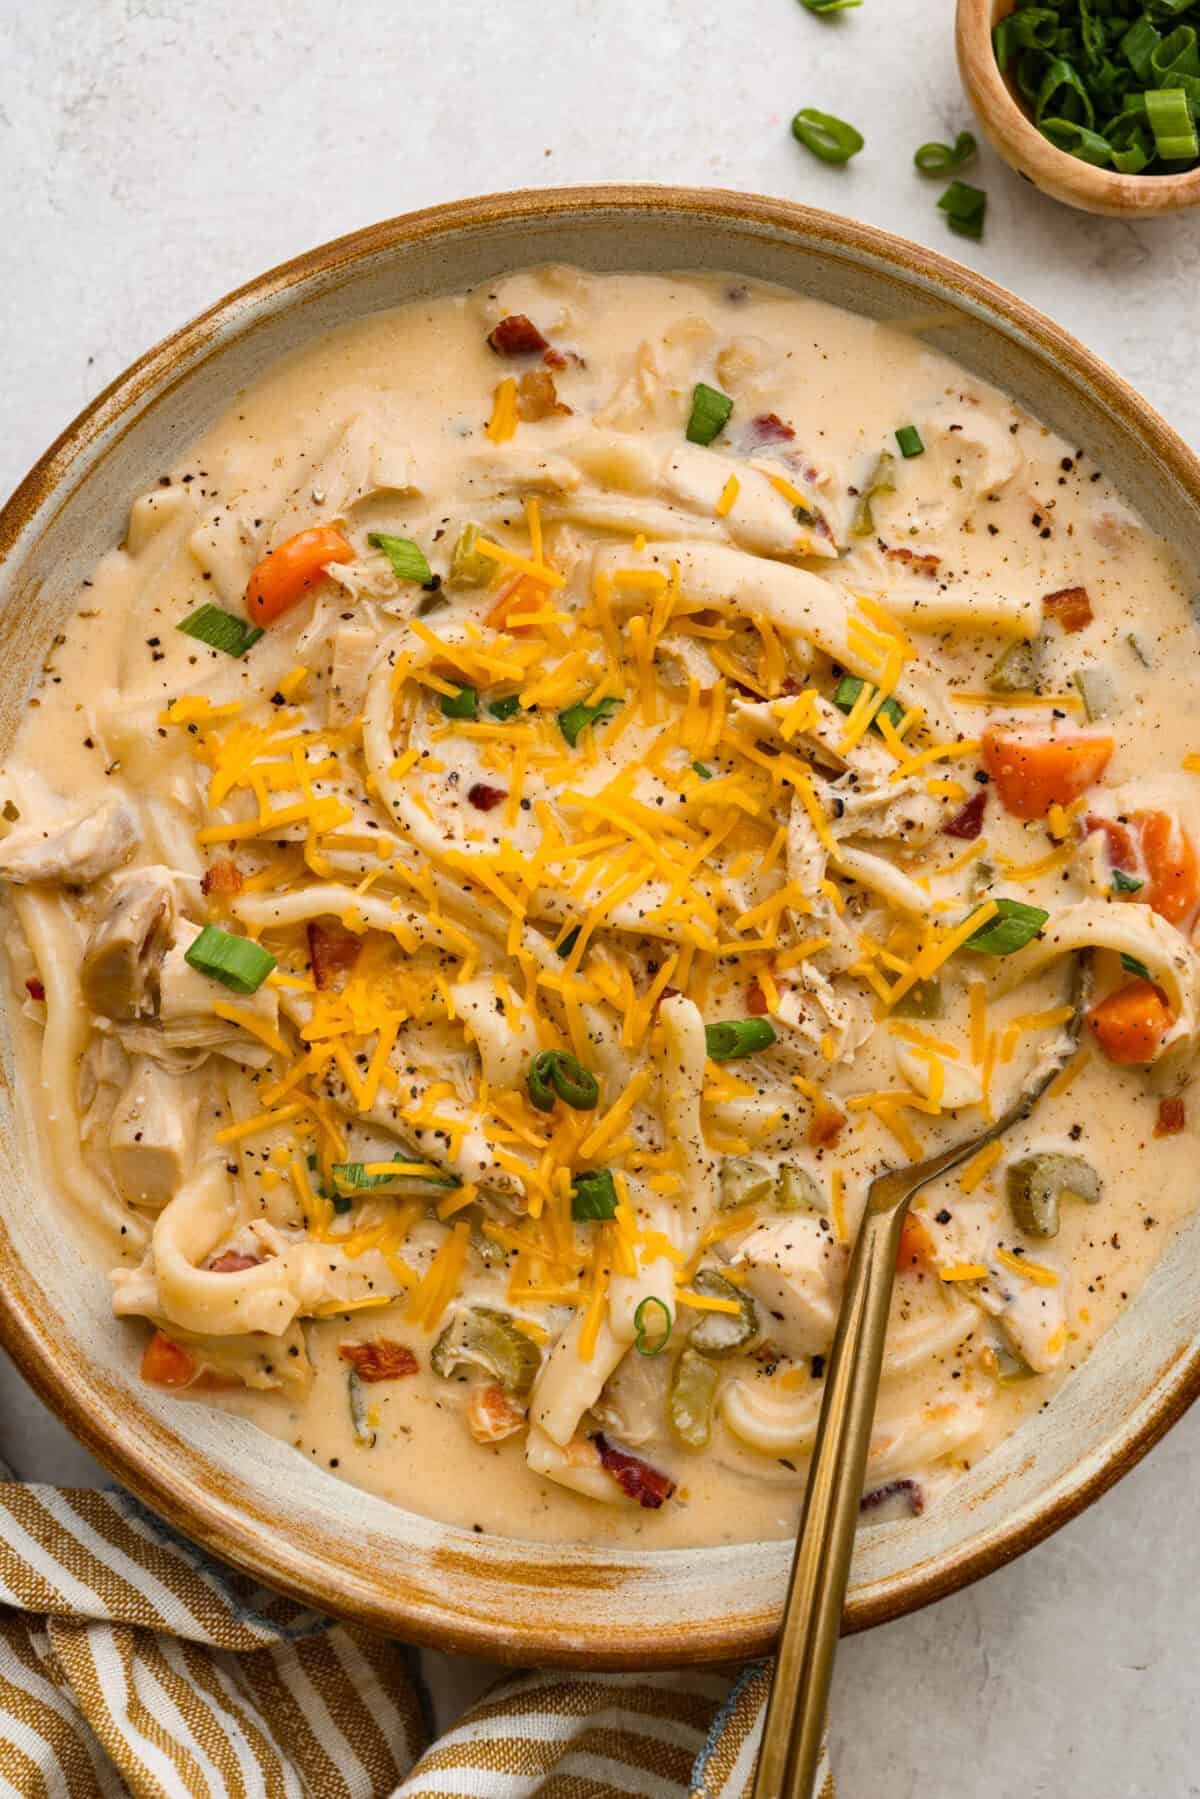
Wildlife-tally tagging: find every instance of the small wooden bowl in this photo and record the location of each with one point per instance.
(1015, 137)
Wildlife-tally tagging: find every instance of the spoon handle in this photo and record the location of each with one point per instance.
(812, 1617)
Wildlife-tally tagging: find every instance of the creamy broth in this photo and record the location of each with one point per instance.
(366, 972)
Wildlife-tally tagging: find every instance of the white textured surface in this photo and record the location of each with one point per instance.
(155, 153)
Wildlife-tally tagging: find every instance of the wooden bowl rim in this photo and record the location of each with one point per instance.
(1018, 140)
(201, 1512)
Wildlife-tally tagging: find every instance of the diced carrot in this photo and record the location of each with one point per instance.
(381, 1359)
(1069, 607)
(1034, 773)
(168, 1364)
(756, 1001)
(331, 951)
(917, 1252)
(285, 576)
(492, 1416)
(1131, 1023)
(1173, 886)
(1172, 1117)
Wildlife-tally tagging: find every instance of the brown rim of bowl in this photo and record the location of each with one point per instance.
(201, 1516)
(1017, 139)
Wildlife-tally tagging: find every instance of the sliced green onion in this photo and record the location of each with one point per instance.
(652, 1323)
(829, 138)
(882, 480)
(1032, 27)
(463, 704)
(1138, 46)
(578, 717)
(823, 8)
(736, 1037)
(705, 774)
(220, 630)
(568, 943)
(709, 415)
(909, 440)
(1131, 965)
(1077, 140)
(946, 159)
(846, 698)
(1062, 95)
(1171, 122)
(553, 1074)
(507, 707)
(237, 962)
(594, 1195)
(467, 567)
(353, 1177)
(964, 207)
(1123, 883)
(1013, 926)
(407, 558)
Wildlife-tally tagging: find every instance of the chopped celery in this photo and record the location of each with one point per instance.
(1018, 669)
(882, 480)
(467, 567)
(797, 1190)
(489, 1340)
(690, 1399)
(924, 999)
(1097, 690)
(1037, 1183)
(723, 1333)
(744, 1182)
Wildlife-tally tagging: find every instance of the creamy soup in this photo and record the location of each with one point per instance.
(559, 788)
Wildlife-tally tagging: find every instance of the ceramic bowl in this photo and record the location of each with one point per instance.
(251, 1499)
(1014, 136)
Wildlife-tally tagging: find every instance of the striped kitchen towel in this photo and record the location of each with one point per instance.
(133, 1664)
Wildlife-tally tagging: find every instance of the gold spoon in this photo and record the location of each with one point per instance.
(812, 1613)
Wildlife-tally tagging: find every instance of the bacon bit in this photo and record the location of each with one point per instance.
(485, 798)
(826, 1126)
(1172, 1117)
(636, 1478)
(789, 687)
(769, 428)
(554, 359)
(968, 823)
(666, 994)
(921, 565)
(893, 1490)
(331, 951)
(166, 1363)
(1122, 853)
(1070, 607)
(492, 1416)
(35, 989)
(756, 1000)
(537, 397)
(232, 1261)
(222, 877)
(379, 1360)
(516, 335)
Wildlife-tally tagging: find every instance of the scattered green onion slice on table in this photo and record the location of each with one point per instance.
(965, 208)
(463, 704)
(946, 159)
(575, 719)
(594, 1196)
(408, 560)
(553, 1074)
(237, 962)
(829, 138)
(908, 440)
(1013, 926)
(735, 1037)
(220, 630)
(652, 1322)
(709, 415)
(825, 7)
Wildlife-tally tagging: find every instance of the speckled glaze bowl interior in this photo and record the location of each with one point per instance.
(248, 1497)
